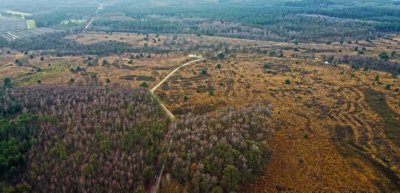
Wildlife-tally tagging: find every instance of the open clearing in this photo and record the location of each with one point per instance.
(31, 24)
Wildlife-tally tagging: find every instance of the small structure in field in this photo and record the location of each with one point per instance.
(195, 56)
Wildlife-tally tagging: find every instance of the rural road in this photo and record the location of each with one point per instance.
(170, 115)
(157, 179)
(91, 20)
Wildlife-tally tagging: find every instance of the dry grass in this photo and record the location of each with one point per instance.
(327, 138)
(306, 113)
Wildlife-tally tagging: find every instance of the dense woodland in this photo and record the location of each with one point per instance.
(222, 152)
(92, 139)
(306, 20)
(366, 63)
(16, 137)
(111, 139)
(55, 44)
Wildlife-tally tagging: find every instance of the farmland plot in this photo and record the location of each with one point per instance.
(26, 34)
(11, 24)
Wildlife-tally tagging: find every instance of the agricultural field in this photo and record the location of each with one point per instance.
(31, 24)
(12, 21)
(26, 34)
(10, 24)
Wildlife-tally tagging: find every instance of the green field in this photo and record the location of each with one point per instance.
(31, 24)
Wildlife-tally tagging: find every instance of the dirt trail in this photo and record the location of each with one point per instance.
(169, 114)
(156, 185)
(91, 20)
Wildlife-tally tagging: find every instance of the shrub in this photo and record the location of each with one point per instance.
(139, 189)
(211, 91)
(393, 54)
(287, 81)
(384, 56)
(71, 81)
(217, 189)
(230, 178)
(144, 85)
(7, 83)
(221, 56)
(18, 62)
(377, 78)
(105, 63)
(204, 72)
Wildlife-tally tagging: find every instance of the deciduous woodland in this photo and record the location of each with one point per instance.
(93, 139)
(90, 139)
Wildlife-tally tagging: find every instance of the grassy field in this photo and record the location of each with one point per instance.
(377, 102)
(31, 24)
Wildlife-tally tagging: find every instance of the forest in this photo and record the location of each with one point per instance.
(302, 20)
(375, 63)
(219, 154)
(306, 20)
(101, 139)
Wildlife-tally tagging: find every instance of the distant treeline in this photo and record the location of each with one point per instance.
(56, 44)
(303, 20)
(373, 63)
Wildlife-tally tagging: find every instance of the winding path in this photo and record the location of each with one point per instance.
(170, 115)
(157, 179)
